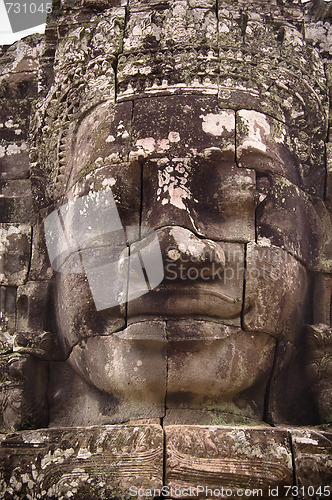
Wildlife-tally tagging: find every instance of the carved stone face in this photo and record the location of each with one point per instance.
(222, 191)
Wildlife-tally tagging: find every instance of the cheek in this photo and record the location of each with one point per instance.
(275, 292)
(76, 313)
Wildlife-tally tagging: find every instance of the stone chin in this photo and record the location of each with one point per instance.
(187, 363)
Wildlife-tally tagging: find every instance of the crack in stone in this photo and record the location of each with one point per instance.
(290, 439)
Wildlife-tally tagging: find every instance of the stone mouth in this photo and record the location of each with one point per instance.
(185, 301)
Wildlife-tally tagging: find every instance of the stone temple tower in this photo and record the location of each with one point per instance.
(166, 252)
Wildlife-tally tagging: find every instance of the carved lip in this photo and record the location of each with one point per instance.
(187, 301)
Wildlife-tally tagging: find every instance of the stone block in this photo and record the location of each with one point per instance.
(290, 219)
(181, 24)
(122, 181)
(130, 365)
(319, 369)
(237, 361)
(14, 119)
(15, 166)
(271, 147)
(276, 283)
(18, 85)
(83, 462)
(193, 70)
(234, 459)
(102, 140)
(313, 462)
(23, 401)
(17, 210)
(7, 316)
(15, 248)
(33, 307)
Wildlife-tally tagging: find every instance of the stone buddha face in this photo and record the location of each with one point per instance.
(210, 201)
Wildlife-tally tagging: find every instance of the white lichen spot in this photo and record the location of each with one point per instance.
(83, 454)
(218, 124)
(13, 149)
(264, 242)
(174, 137)
(146, 145)
(109, 182)
(188, 244)
(34, 437)
(174, 254)
(174, 188)
(139, 362)
(306, 440)
(110, 138)
(163, 145)
(9, 124)
(281, 139)
(223, 28)
(258, 129)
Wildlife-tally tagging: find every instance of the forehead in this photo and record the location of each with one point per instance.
(184, 125)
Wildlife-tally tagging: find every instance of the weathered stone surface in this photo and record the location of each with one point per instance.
(231, 458)
(274, 280)
(322, 312)
(237, 361)
(102, 139)
(190, 176)
(33, 307)
(17, 210)
(313, 462)
(180, 126)
(130, 365)
(40, 268)
(14, 119)
(23, 392)
(94, 462)
(73, 402)
(15, 166)
(270, 147)
(202, 279)
(80, 318)
(291, 219)
(15, 248)
(319, 368)
(84, 79)
(205, 123)
(329, 176)
(8, 313)
(123, 182)
(181, 24)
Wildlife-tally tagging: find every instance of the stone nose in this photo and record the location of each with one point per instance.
(182, 249)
